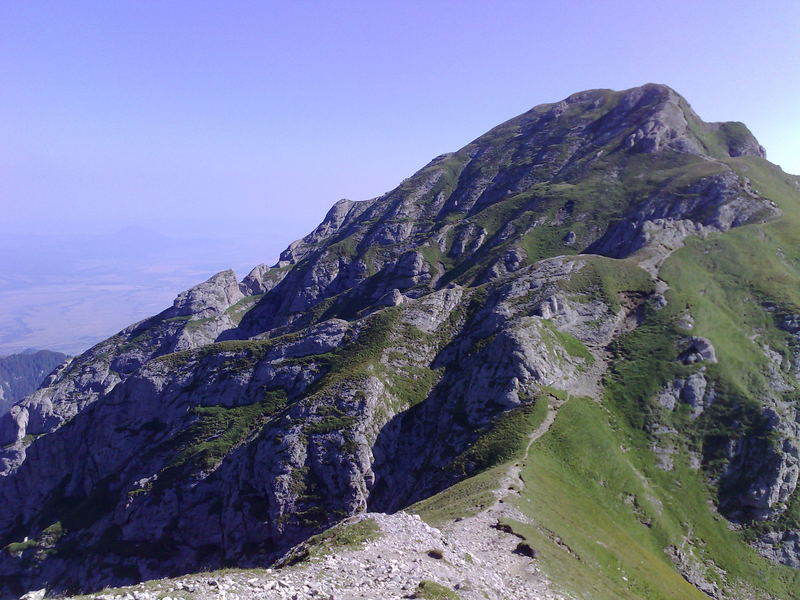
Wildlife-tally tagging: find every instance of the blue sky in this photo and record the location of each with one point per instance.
(245, 121)
(197, 114)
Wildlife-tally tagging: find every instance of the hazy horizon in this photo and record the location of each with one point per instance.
(76, 289)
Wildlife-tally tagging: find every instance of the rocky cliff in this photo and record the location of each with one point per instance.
(611, 245)
(21, 374)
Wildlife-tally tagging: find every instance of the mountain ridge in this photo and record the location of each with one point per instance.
(393, 227)
(395, 353)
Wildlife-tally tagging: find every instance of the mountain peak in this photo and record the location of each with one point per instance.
(650, 91)
(577, 165)
(645, 119)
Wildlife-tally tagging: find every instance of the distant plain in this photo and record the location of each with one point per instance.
(65, 292)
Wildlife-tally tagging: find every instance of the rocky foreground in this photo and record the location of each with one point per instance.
(403, 557)
(385, 556)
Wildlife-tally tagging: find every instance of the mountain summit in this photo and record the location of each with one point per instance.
(578, 333)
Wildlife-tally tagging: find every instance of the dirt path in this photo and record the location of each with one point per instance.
(512, 483)
(522, 578)
(490, 544)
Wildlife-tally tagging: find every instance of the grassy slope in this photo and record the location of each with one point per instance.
(603, 513)
(738, 286)
(593, 480)
(577, 482)
(504, 442)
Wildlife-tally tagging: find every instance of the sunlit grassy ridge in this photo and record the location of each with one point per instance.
(603, 515)
(592, 479)
(592, 482)
(605, 518)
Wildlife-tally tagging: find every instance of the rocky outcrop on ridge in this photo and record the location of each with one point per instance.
(21, 374)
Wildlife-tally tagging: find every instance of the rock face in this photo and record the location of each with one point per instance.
(21, 374)
(209, 299)
(697, 349)
(780, 546)
(691, 391)
(714, 203)
(762, 475)
(363, 370)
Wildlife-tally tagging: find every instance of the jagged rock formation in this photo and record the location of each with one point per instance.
(21, 374)
(372, 366)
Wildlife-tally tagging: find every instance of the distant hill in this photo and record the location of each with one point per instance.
(21, 374)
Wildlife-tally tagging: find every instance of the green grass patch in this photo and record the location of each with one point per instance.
(237, 311)
(178, 319)
(44, 542)
(346, 248)
(219, 428)
(645, 360)
(20, 547)
(197, 324)
(412, 385)
(504, 440)
(496, 216)
(52, 534)
(430, 590)
(572, 345)
(344, 536)
(608, 278)
(347, 536)
(548, 240)
(604, 515)
(434, 257)
(357, 357)
(460, 500)
(250, 351)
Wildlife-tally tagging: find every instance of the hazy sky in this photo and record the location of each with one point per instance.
(249, 119)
